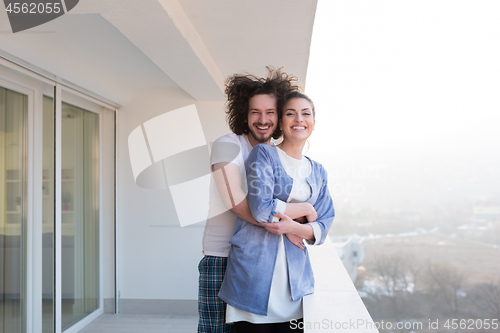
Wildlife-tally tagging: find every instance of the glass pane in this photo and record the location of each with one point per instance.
(48, 217)
(13, 140)
(80, 213)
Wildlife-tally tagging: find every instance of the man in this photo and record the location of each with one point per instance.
(253, 109)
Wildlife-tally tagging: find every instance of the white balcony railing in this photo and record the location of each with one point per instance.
(335, 305)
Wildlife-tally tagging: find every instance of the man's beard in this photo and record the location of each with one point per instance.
(259, 137)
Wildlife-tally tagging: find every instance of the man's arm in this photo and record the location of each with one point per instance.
(227, 178)
(228, 181)
(288, 226)
(320, 227)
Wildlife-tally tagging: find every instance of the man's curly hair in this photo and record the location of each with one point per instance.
(240, 88)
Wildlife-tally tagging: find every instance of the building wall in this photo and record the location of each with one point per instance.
(106, 53)
(157, 259)
(351, 250)
(108, 214)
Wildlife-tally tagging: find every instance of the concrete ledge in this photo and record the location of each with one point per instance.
(335, 305)
(158, 307)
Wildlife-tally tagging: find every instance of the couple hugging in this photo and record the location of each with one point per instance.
(273, 199)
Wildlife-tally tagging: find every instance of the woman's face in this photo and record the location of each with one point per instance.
(298, 121)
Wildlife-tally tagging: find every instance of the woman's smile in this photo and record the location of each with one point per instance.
(298, 120)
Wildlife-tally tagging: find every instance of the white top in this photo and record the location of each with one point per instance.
(220, 221)
(281, 308)
(299, 170)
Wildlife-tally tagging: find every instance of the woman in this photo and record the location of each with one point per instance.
(267, 275)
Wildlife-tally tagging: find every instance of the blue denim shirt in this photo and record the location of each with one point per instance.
(250, 267)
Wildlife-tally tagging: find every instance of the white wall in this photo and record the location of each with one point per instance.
(157, 258)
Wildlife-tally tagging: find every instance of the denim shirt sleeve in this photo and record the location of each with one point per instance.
(260, 179)
(317, 234)
(324, 207)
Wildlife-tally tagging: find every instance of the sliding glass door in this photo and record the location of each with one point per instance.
(50, 211)
(48, 203)
(80, 213)
(13, 208)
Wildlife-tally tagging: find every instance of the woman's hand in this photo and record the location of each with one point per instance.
(295, 240)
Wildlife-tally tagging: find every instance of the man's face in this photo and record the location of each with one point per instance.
(262, 118)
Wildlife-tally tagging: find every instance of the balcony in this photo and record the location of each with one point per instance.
(335, 305)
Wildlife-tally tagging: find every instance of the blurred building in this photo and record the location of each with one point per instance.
(351, 251)
(486, 211)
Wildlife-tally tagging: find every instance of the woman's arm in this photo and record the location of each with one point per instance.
(261, 200)
(228, 181)
(316, 231)
(261, 197)
(324, 208)
(288, 226)
(260, 179)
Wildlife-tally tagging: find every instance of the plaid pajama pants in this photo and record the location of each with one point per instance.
(211, 309)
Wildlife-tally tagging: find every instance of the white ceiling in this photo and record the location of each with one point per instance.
(123, 46)
(249, 35)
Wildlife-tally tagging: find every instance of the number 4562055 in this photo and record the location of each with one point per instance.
(471, 324)
(33, 8)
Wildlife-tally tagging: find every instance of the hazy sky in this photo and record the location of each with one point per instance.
(408, 88)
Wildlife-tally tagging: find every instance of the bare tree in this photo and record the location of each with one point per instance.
(415, 268)
(396, 275)
(447, 282)
(487, 299)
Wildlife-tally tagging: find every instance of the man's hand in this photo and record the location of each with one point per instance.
(295, 240)
(311, 216)
(299, 209)
(288, 226)
(284, 226)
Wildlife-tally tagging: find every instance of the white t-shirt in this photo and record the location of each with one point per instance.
(221, 222)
